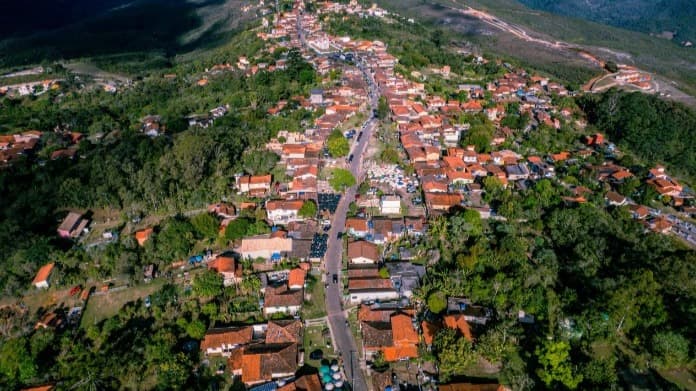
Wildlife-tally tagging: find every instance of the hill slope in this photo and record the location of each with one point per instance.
(72, 29)
(640, 15)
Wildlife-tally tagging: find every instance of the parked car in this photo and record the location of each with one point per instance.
(335, 278)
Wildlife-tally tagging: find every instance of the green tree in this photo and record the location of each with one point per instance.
(206, 225)
(256, 162)
(479, 135)
(341, 179)
(670, 349)
(16, 365)
(455, 354)
(175, 241)
(208, 284)
(437, 302)
(237, 228)
(389, 155)
(337, 144)
(382, 108)
(308, 209)
(384, 272)
(251, 284)
(495, 344)
(556, 366)
(636, 303)
(196, 329)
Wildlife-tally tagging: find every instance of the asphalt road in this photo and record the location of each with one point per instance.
(343, 338)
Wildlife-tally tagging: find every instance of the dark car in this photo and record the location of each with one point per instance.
(335, 278)
(339, 235)
(360, 135)
(350, 158)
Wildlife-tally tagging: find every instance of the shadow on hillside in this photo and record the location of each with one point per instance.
(153, 26)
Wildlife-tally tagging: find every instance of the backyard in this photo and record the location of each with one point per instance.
(102, 306)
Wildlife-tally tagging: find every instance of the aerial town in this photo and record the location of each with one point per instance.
(327, 257)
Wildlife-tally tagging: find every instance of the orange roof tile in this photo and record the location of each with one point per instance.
(458, 322)
(143, 235)
(231, 336)
(402, 330)
(394, 353)
(296, 277)
(251, 368)
(429, 331)
(43, 273)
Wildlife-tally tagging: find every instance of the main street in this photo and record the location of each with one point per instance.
(343, 338)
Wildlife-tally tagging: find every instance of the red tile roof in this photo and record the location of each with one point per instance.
(43, 273)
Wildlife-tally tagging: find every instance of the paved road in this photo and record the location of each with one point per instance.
(342, 336)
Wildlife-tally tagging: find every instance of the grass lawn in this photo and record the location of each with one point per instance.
(353, 322)
(316, 306)
(315, 337)
(100, 307)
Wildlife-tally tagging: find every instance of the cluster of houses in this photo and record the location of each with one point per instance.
(260, 353)
(14, 146)
(28, 143)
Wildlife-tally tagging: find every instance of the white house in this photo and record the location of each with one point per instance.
(265, 246)
(282, 300)
(390, 205)
(282, 212)
(225, 340)
(361, 252)
(363, 290)
(41, 279)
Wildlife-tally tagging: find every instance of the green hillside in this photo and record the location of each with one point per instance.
(154, 28)
(651, 53)
(675, 16)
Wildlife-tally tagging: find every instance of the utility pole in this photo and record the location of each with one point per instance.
(352, 374)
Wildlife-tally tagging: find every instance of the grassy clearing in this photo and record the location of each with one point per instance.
(100, 307)
(317, 337)
(315, 307)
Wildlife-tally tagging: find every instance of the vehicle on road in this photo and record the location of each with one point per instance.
(335, 278)
(350, 158)
(339, 235)
(360, 135)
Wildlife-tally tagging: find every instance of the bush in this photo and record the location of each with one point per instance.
(437, 302)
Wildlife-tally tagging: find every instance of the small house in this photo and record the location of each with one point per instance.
(41, 279)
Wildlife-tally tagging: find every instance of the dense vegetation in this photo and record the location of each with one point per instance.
(601, 292)
(122, 170)
(655, 130)
(640, 15)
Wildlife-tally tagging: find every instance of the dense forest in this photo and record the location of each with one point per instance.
(656, 130)
(604, 296)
